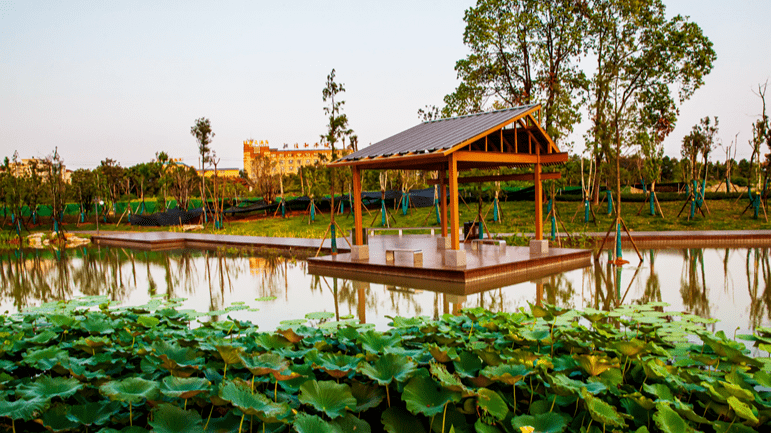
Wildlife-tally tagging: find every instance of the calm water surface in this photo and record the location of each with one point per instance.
(731, 285)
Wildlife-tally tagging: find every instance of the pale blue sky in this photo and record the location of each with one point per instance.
(126, 79)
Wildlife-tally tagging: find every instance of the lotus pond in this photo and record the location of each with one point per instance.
(730, 285)
(203, 341)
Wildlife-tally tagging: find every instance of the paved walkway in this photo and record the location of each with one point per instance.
(679, 238)
(174, 240)
(169, 240)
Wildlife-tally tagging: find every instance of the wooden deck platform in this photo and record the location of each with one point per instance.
(487, 267)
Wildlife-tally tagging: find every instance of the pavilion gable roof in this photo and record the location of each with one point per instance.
(444, 136)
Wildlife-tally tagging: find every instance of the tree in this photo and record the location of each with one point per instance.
(111, 179)
(640, 56)
(337, 131)
(699, 143)
(264, 179)
(203, 135)
(521, 52)
(57, 188)
(657, 115)
(84, 186)
(761, 134)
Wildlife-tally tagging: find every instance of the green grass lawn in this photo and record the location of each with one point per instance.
(517, 217)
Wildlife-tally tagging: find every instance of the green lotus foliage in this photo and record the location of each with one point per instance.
(184, 387)
(68, 366)
(169, 418)
(388, 368)
(131, 390)
(239, 393)
(327, 397)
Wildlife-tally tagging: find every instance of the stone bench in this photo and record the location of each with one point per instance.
(500, 243)
(417, 255)
(372, 230)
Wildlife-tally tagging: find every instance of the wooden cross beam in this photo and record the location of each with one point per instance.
(500, 178)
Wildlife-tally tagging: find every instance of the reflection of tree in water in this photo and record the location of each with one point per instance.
(272, 271)
(25, 277)
(219, 272)
(401, 301)
(601, 275)
(558, 290)
(693, 283)
(758, 275)
(652, 291)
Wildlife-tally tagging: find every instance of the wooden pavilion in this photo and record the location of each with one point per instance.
(505, 138)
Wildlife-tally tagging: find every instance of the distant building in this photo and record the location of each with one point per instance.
(221, 172)
(289, 159)
(24, 168)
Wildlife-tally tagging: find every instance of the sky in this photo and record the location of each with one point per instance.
(124, 80)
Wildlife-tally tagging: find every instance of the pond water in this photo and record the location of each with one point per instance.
(731, 285)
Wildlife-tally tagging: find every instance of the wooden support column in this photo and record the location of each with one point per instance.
(443, 201)
(358, 239)
(538, 203)
(454, 226)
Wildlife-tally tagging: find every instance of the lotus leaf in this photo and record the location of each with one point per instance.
(376, 342)
(732, 427)
(230, 354)
(328, 397)
(507, 373)
(46, 387)
(565, 386)
(367, 396)
(94, 413)
(407, 322)
(132, 390)
(33, 357)
(423, 395)
(168, 418)
(443, 354)
(668, 421)
(148, 321)
(387, 368)
(55, 418)
(453, 421)
(266, 299)
(468, 364)
(399, 420)
(240, 395)
(272, 341)
(448, 380)
(336, 365)
(98, 324)
(493, 403)
(642, 401)
(595, 365)
(305, 423)
(603, 412)
(264, 363)
(548, 422)
(62, 321)
(320, 315)
(481, 427)
(659, 390)
(183, 387)
(349, 423)
(743, 410)
(42, 338)
(655, 369)
(290, 335)
(22, 409)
